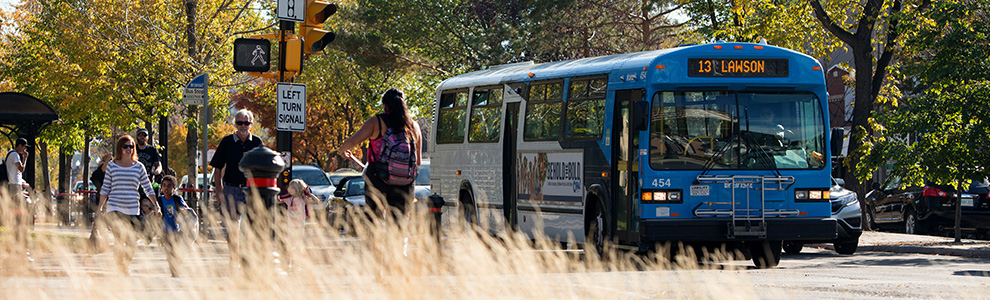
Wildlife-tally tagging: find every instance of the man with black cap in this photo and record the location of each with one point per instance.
(148, 155)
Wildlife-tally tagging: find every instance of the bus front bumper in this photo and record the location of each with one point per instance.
(713, 230)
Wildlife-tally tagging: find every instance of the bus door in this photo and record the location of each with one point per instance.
(509, 193)
(625, 167)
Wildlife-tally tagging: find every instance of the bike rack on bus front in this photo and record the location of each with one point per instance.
(743, 221)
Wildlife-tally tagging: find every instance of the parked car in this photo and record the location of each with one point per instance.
(316, 179)
(422, 183)
(927, 209)
(342, 173)
(79, 186)
(349, 196)
(847, 213)
(184, 182)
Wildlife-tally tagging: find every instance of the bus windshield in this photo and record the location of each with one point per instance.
(736, 130)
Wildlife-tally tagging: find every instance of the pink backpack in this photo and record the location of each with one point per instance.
(397, 159)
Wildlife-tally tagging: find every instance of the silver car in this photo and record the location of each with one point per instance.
(848, 216)
(349, 196)
(316, 179)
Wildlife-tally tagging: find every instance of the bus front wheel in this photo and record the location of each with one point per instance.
(766, 254)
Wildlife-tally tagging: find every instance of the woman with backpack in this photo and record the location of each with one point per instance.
(393, 156)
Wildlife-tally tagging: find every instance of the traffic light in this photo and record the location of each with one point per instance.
(311, 29)
(293, 55)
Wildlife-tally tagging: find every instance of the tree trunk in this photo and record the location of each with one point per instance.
(85, 163)
(46, 179)
(163, 142)
(958, 222)
(862, 108)
(192, 135)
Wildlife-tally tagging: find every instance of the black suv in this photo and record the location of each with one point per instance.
(927, 209)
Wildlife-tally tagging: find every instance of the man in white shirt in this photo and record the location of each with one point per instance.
(16, 161)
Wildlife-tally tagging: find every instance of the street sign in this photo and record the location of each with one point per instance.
(291, 10)
(196, 91)
(291, 107)
(252, 55)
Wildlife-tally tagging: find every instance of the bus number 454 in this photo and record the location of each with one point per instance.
(661, 182)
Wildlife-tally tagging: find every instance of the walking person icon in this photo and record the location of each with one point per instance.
(258, 55)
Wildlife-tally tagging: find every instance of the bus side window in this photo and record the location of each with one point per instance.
(450, 123)
(585, 109)
(543, 112)
(486, 115)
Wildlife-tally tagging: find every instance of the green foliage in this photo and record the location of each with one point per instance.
(110, 64)
(790, 24)
(945, 122)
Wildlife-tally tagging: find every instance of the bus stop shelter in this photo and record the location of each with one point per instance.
(23, 116)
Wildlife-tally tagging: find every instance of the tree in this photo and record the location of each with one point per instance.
(577, 29)
(875, 31)
(944, 126)
(106, 64)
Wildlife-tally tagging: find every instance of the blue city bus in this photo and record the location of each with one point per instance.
(719, 143)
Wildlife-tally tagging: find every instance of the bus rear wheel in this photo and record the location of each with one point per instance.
(468, 210)
(766, 254)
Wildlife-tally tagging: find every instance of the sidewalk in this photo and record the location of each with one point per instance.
(922, 244)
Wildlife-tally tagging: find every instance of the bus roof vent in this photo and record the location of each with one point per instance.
(763, 41)
(518, 64)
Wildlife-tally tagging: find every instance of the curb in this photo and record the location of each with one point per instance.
(933, 249)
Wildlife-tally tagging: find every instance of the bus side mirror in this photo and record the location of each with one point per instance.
(640, 112)
(876, 186)
(838, 134)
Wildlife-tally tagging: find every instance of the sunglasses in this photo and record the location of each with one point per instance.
(125, 146)
(243, 123)
(142, 135)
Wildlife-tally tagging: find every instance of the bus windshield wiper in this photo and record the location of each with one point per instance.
(718, 154)
(747, 137)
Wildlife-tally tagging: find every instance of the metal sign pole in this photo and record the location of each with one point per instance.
(206, 132)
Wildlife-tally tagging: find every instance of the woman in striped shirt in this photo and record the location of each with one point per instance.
(120, 200)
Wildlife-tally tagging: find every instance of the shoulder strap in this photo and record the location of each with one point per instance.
(382, 126)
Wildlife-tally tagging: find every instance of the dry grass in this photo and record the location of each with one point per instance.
(371, 260)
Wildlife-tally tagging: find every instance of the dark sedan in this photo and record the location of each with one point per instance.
(927, 209)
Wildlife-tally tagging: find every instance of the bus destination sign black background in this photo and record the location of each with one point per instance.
(737, 67)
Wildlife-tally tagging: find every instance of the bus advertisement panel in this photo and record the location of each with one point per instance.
(551, 176)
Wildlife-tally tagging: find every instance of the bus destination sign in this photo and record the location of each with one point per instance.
(737, 67)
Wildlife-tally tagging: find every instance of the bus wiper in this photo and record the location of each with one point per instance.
(750, 142)
(718, 154)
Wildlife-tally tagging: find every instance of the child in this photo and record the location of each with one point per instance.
(300, 197)
(172, 206)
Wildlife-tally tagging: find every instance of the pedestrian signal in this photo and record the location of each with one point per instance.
(252, 55)
(311, 29)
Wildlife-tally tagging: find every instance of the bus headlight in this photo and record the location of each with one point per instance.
(666, 196)
(811, 195)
